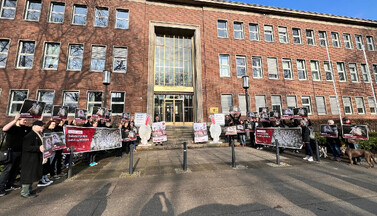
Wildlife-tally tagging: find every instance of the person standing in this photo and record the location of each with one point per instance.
(352, 143)
(333, 143)
(32, 158)
(306, 140)
(15, 130)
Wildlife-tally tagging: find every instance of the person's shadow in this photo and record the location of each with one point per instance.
(158, 205)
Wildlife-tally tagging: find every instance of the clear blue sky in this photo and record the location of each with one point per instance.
(365, 9)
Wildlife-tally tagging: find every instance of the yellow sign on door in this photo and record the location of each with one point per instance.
(214, 110)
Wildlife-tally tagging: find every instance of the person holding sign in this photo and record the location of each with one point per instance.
(352, 143)
(333, 143)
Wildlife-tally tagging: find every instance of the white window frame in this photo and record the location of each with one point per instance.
(328, 70)
(257, 67)
(299, 36)
(372, 105)
(71, 57)
(122, 19)
(287, 69)
(263, 97)
(45, 55)
(341, 71)
(101, 17)
(374, 67)
(91, 58)
(222, 105)
(364, 72)
(28, 10)
(80, 15)
(222, 29)
(20, 45)
(316, 70)
(269, 33)
(283, 34)
(122, 103)
(317, 98)
(2, 8)
(11, 102)
(370, 43)
(311, 38)
(122, 58)
(94, 103)
(322, 39)
(288, 101)
(256, 33)
(241, 66)
(273, 72)
(335, 39)
(242, 103)
(310, 110)
(228, 66)
(273, 104)
(5, 53)
(64, 103)
(334, 105)
(305, 73)
(347, 41)
(353, 71)
(53, 12)
(360, 106)
(350, 105)
(359, 43)
(240, 31)
(39, 91)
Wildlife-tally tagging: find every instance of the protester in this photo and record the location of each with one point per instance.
(352, 143)
(92, 155)
(242, 135)
(15, 132)
(333, 143)
(132, 131)
(122, 128)
(32, 157)
(45, 181)
(89, 121)
(306, 140)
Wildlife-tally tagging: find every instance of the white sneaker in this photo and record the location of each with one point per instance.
(306, 158)
(48, 181)
(310, 159)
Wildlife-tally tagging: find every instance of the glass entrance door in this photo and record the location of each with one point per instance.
(174, 109)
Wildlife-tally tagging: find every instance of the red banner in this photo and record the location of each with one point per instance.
(263, 136)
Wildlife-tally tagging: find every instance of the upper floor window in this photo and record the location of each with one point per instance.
(46, 96)
(334, 105)
(316, 73)
(75, 57)
(25, 57)
(296, 32)
(272, 68)
(226, 102)
(359, 42)
(335, 39)
(254, 31)
(260, 101)
(71, 99)
(291, 102)
(16, 100)
(241, 66)
(301, 69)
(370, 43)
(257, 67)
(224, 65)
(120, 55)
(347, 104)
(4, 49)
(98, 58)
(101, 17)
(353, 72)
(347, 41)
(375, 71)
(57, 10)
(322, 38)
(79, 14)
(269, 33)
(33, 10)
(283, 34)
(310, 38)
(122, 19)
(8, 9)
(222, 28)
(372, 105)
(328, 70)
(238, 30)
(287, 69)
(51, 56)
(341, 71)
(364, 71)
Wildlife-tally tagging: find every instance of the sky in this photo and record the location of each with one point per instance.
(364, 9)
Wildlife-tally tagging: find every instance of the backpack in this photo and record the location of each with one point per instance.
(312, 134)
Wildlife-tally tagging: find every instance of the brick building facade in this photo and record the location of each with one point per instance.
(179, 58)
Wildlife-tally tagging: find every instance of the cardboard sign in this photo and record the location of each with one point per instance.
(264, 114)
(57, 139)
(80, 115)
(59, 112)
(108, 114)
(329, 130)
(287, 137)
(47, 144)
(274, 115)
(287, 114)
(200, 132)
(126, 116)
(140, 119)
(232, 130)
(355, 132)
(301, 112)
(98, 112)
(240, 129)
(32, 109)
(159, 132)
(219, 118)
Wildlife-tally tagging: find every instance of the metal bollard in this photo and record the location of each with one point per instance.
(184, 156)
(277, 152)
(70, 162)
(316, 149)
(131, 166)
(233, 154)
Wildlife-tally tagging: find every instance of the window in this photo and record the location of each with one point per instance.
(310, 39)
(51, 56)
(117, 102)
(296, 32)
(242, 103)
(321, 105)
(328, 70)
(224, 65)
(316, 73)
(341, 71)
(241, 66)
(375, 72)
(101, 17)
(347, 41)
(57, 10)
(268, 33)
(257, 67)
(334, 105)
(291, 102)
(238, 30)
(306, 102)
(71, 99)
(16, 100)
(8, 9)
(301, 69)
(98, 58)
(33, 10)
(322, 38)
(222, 28)
(283, 34)
(359, 42)
(364, 71)
(260, 101)
(335, 39)
(120, 59)
(360, 105)
(122, 19)
(353, 72)
(370, 43)
(4, 49)
(46, 96)
(372, 105)
(347, 104)
(226, 102)
(287, 69)
(272, 68)
(75, 56)
(25, 57)
(254, 32)
(276, 103)
(94, 100)
(79, 14)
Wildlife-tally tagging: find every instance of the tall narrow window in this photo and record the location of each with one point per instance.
(272, 68)
(57, 10)
(372, 105)
(364, 71)
(287, 69)
(33, 10)
(291, 102)
(71, 99)
(238, 30)
(375, 71)
(359, 42)
(8, 9)
(16, 100)
(46, 96)
(51, 56)
(268, 33)
(310, 39)
(26, 54)
(328, 70)
(334, 105)
(76, 53)
(316, 73)
(101, 17)
(306, 102)
(120, 55)
(4, 49)
(257, 67)
(347, 41)
(222, 28)
(347, 104)
(335, 39)
(296, 32)
(117, 102)
(226, 102)
(260, 101)
(94, 100)
(276, 103)
(353, 72)
(301, 69)
(370, 43)
(224, 65)
(321, 105)
(79, 14)
(283, 34)
(360, 105)
(254, 32)
(322, 38)
(242, 103)
(122, 19)
(241, 66)
(98, 58)
(341, 71)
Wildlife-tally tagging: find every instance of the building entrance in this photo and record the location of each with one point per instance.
(174, 109)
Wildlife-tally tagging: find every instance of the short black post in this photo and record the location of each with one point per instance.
(131, 166)
(184, 156)
(316, 149)
(233, 154)
(70, 162)
(277, 152)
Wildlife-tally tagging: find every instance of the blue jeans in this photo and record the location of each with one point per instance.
(308, 149)
(10, 171)
(243, 139)
(335, 149)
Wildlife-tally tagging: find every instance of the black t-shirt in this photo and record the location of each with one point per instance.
(15, 136)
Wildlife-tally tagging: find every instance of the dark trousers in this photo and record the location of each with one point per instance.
(46, 167)
(10, 171)
(308, 149)
(119, 151)
(252, 139)
(56, 162)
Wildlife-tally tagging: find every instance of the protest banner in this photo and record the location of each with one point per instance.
(47, 144)
(355, 132)
(80, 115)
(159, 132)
(200, 132)
(301, 112)
(32, 109)
(59, 112)
(98, 112)
(264, 114)
(287, 114)
(85, 139)
(219, 118)
(58, 140)
(287, 137)
(329, 130)
(231, 130)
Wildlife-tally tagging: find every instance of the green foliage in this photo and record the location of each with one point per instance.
(321, 140)
(370, 144)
